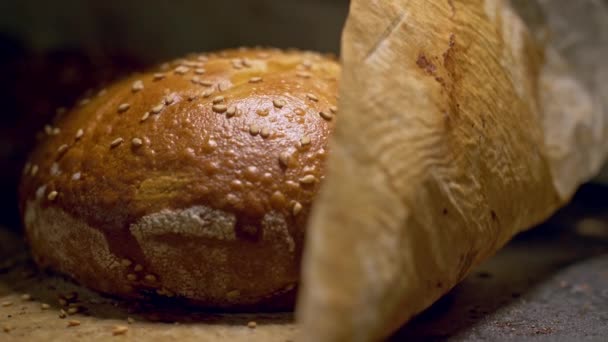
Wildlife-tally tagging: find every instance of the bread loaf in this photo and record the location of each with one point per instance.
(192, 181)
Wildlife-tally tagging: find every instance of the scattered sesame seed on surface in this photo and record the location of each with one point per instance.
(137, 142)
(145, 117)
(208, 93)
(199, 71)
(34, 170)
(124, 107)
(326, 116)
(297, 208)
(45, 306)
(305, 140)
(312, 97)
(137, 86)
(254, 129)
(220, 108)
(206, 83)
(279, 103)
(231, 111)
(150, 277)
(308, 179)
(157, 109)
(303, 74)
(181, 70)
(116, 142)
(131, 277)
(79, 134)
(138, 268)
(62, 149)
(255, 80)
(73, 323)
(120, 330)
(252, 325)
(218, 99)
(76, 176)
(52, 195)
(7, 304)
(26, 297)
(158, 76)
(333, 109)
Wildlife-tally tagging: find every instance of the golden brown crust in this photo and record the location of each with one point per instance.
(239, 133)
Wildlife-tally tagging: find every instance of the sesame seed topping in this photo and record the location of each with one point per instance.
(218, 99)
(333, 109)
(199, 71)
(84, 102)
(192, 97)
(252, 325)
(126, 262)
(76, 176)
(206, 83)
(45, 306)
(150, 277)
(116, 142)
(56, 131)
(297, 208)
(231, 111)
(137, 86)
(120, 330)
(196, 80)
(131, 277)
(136, 142)
(327, 116)
(138, 268)
(254, 129)
(145, 117)
(312, 97)
(263, 55)
(72, 310)
(158, 108)
(255, 80)
(202, 58)
(181, 70)
(159, 76)
(307, 64)
(26, 297)
(305, 140)
(79, 134)
(308, 179)
(223, 86)
(48, 129)
(52, 195)
(124, 107)
(246, 63)
(130, 320)
(220, 108)
(7, 304)
(34, 170)
(265, 132)
(170, 99)
(73, 323)
(303, 74)
(262, 112)
(285, 159)
(208, 93)
(62, 149)
(299, 111)
(279, 103)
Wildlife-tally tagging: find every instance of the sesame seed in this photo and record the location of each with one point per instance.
(26, 297)
(299, 111)
(233, 294)
(126, 262)
(279, 103)
(116, 142)
(202, 58)
(303, 74)
(297, 208)
(137, 86)
(265, 132)
(120, 330)
(206, 83)
(102, 92)
(223, 86)
(326, 116)
(262, 112)
(255, 80)
(84, 102)
(52, 195)
(130, 320)
(218, 99)
(150, 277)
(72, 310)
(136, 142)
(7, 304)
(76, 176)
(312, 97)
(145, 117)
(246, 63)
(79, 134)
(192, 97)
(307, 64)
(73, 323)
(138, 268)
(27, 168)
(285, 159)
(124, 107)
(333, 109)
(231, 111)
(62, 302)
(62, 149)
(159, 76)
(181, 70)
(263, 55)
(170, 99)
(254, 129)
(195, 79)
(45, 306)
(157, 109)
(305, 140)
(208, 93)
(56, 131)
(199, 71)
(252, 325)
(131, 277)
(34, 170)
(219, 108)
(62, 314)
(48, 130)
(308, 179)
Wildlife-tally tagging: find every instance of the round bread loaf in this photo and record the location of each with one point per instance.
(191, 181)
